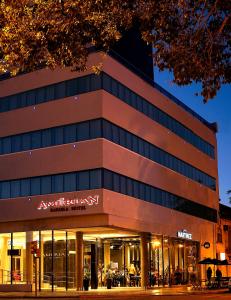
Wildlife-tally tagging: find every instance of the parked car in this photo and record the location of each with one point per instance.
(229, 284)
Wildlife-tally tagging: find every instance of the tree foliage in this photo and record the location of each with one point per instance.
(190, 38)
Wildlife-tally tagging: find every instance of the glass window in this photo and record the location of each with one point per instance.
(36, 140)
(83, 85)
(13, 103)
(83, 180)
(121, 92)
(95, 82)
(46, 137)
(95, 179)
(15, 188)
(142, 191)
(71, 87)
(135, 144)
(40, 95)
(16, 143)
(83, 131)
(146, 150)
(123, 185)
(69, 182)
(95, 129)
(114, 89)
(23, 99)
(58, 135)
(116, 183)
(5, 189)
(108, 180)
(106, 82)
(57, 183)
(46, 185)
(4, 105)
(136, 190)
(25, 187)
(26, 141)
(140, 147)
(60, 90)
(130, 187)
(35, 186)
(30, 98)
(107, 130)
(115, 134)
(134, 100)
(6, 145)
(122, 137)
(139, 104)
(128, 140)
(70, 134)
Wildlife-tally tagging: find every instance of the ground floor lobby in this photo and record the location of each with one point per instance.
(99, 257)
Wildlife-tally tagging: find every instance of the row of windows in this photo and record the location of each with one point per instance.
(51, 92)
(94, 82)
(102, 129)
(101, 178)
(122, 92)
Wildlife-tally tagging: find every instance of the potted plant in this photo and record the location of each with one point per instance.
(86, 281)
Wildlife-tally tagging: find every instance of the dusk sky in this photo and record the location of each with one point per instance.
(216, 110)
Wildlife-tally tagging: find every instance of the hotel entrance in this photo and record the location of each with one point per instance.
(108, 258)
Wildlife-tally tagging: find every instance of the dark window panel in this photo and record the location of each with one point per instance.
(36, 140)
(83, 181)
(15, 189)
(25, 187)
(95, 129)
(5, 190)
(46, 185)
(57, 183)
(69, 182)
(83, 131)
(35, 184)
(95, 179)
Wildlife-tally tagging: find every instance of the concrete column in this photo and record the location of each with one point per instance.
(107, 258)
(42, 261)
(144, 259)
(29, 257)
(79, 260)
(127, 256)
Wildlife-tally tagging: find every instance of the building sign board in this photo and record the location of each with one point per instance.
(63, 204)
(206, 245)
(184, 234)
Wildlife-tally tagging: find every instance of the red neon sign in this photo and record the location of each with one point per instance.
(62, 202)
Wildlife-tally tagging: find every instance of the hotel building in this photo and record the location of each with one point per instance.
(109, 174)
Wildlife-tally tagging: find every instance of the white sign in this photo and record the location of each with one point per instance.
(184, 234)
(63, 204)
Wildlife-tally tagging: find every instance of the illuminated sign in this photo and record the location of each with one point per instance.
(206, 245)
(63, 204)
(184, 234)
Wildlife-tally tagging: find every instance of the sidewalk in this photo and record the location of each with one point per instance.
(113, 293)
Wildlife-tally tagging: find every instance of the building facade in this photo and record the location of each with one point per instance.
(224, 238)
(108, 174)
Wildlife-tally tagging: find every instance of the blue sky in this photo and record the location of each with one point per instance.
(216, 110)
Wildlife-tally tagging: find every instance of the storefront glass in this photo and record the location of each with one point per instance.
(106, 260)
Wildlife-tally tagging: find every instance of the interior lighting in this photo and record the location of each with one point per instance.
(156, 243)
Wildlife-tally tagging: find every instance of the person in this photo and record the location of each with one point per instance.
(132, 273)
(209, 274)
(178, 275)
(219, 277)
(193, 279)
